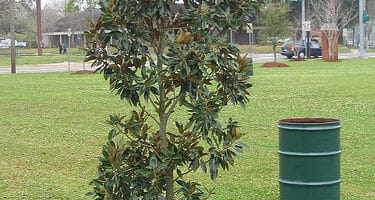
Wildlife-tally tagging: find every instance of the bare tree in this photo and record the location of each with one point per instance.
(24, 10)
(50, 16)
(332, 16)
(370, 8)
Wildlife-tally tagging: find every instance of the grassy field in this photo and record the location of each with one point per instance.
(53, 125)
(34, 51)
(29, 56)
(36, 60)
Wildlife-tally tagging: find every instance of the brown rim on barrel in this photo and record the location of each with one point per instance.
(308, 120)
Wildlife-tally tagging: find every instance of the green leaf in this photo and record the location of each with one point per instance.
(180, 127)
(203, 166)
(153, 161)
(163, 166)
(213, 167)
(113, 133)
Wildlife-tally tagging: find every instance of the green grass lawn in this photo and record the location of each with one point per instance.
(45, 51)
(27, 56)
(52, 127)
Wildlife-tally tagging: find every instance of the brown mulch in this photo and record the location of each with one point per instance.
(274, 64)
(84, 72)
(298, 59)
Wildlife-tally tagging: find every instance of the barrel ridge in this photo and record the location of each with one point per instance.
(321, 183)
(328, 153)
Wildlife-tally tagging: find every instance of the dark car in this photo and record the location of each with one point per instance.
(291, 48)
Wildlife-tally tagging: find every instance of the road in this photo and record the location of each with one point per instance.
(261, 58)
(63, 67)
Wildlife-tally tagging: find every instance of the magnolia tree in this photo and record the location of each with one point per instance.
(169, 56)
(274, 18)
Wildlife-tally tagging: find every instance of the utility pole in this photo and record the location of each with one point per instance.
(308, 34)
(361, 30)
(39, 26)
(303, 21)
(12, 38)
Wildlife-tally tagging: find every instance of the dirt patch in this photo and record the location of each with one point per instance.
(298, 59)
(84, 72)
(274, 64)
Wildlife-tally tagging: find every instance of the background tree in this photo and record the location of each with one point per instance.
(71, 9)
(274, 19)
(370, 8)
(50, 15)
(337, 14)
(91, 7)
(24, 9)
(192, 67)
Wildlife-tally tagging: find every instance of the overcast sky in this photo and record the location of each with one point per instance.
(43, 2)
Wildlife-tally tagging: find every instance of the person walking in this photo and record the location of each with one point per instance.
(60, 48)
(64, 48)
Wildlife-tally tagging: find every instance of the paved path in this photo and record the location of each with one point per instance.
(41, 68)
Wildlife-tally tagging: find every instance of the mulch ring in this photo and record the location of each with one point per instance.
(84, 72)
(274, 64)
(298, 59)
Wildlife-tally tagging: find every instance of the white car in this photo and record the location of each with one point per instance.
(6, 43)
(3, 43)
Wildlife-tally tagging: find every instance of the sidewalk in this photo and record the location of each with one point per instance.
(42, 68)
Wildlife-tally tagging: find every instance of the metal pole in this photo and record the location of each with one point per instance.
(303, 20)
(39, 26)
(69, 54)
(308, 34)
(12, 39)
(361, 30)
(69, 34)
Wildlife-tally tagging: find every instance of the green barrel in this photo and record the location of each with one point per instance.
(309, 155)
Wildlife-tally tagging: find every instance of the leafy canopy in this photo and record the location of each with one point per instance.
(169, 55)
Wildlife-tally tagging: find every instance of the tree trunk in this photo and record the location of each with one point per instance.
(12, 38)
(274, 52)
(330, 48)
(163, 116)
(39, 27)
(170, 184)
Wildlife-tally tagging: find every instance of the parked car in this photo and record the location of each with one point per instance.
(3, 43)
(6, 43)
(291, 48)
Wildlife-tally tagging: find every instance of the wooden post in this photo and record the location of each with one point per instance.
(39, 26)
(12, 39)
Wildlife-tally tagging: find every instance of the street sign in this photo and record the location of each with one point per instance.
(69, 32)
(249, 28)
(306, 26)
